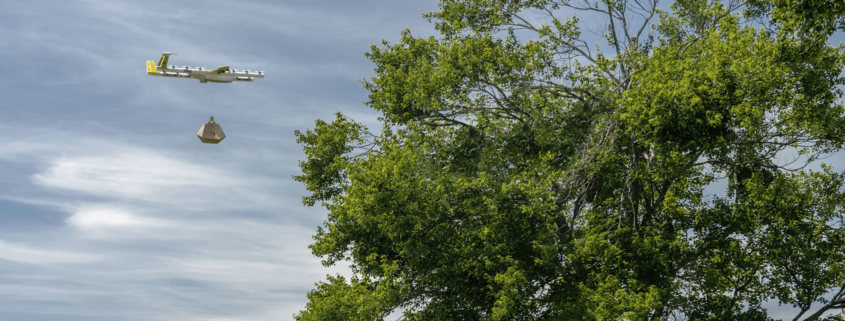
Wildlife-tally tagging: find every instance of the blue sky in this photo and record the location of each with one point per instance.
(111, 208)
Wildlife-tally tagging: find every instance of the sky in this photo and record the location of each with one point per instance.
(112, 209)
(110, 206)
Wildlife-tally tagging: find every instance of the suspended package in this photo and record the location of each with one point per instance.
(211, 132)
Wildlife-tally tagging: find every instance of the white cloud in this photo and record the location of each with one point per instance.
(108, 217)
(25, 254)
(132, 174)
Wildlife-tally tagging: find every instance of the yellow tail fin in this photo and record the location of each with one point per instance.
(162, 62)
(151, 67)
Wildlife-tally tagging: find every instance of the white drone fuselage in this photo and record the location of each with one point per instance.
(222, 74)
(205, 75)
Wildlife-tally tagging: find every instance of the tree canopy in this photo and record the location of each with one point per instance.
(531, 168)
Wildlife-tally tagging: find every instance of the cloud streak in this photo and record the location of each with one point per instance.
(25, 254)
(139, 175)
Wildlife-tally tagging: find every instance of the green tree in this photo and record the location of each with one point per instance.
(524, 173)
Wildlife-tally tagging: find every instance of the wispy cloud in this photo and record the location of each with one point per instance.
(139, 175)
(172, 231)
(26, 254)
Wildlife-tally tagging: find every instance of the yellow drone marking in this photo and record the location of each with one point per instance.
(151, 67)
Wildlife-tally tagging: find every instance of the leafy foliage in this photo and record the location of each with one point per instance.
(521, 174)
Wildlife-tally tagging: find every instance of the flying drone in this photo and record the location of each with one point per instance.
(222, 74)
(210, 132)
